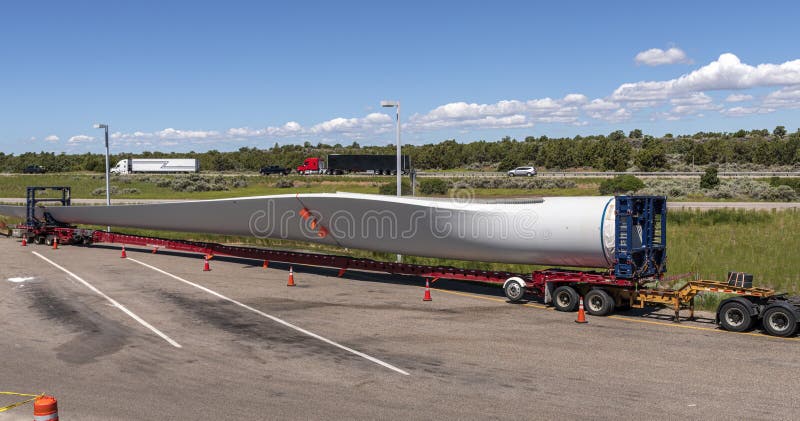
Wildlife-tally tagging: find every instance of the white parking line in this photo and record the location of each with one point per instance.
(113, 302)
(275, 319)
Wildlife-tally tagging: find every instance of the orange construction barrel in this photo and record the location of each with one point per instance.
(45, 408)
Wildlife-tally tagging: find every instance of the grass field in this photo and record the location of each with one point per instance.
(712, 243)
(84, 184)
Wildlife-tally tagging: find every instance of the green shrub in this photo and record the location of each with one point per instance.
(709, 180)
(102, 192)
(284, 183)
(621, 184)
(433, 186)
(781, 181)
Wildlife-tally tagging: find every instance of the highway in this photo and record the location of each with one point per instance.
(478, 174)
(609, 174)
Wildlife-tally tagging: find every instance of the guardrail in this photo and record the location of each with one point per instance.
(600, 174)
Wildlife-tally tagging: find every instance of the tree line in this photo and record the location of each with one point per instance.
(613, 152)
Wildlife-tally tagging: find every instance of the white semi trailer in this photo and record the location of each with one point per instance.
(160, 165)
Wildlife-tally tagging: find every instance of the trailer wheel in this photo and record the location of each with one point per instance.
(565, 298)
(735, 317)
(598, 302)
(514, 291)
(779, 321)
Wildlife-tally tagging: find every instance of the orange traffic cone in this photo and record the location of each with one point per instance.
(265, 265)
(291, 277)
(206, 266)
(123, 255)
(24, 241)
(581, 314)
(427, 296)
(45, 408)
(155, 249)
(55, 243)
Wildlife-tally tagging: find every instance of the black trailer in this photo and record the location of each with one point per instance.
(377, 164)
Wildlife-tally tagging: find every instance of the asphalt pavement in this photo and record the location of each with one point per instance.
(153, 336)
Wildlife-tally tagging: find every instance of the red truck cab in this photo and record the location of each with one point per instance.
(312, 166)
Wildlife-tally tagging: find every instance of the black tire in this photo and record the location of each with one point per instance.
(565, 298)
(514, 291)
(48, 240)
(735, 317)
(779, 321)
(511, 174)
(598, 303)
(530, 175)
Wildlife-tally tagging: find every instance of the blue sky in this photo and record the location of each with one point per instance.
(198, 75)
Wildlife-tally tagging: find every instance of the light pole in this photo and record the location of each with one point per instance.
(396, 104)
(108, 186)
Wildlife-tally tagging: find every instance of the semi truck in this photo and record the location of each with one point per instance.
(156, 165)
(628, 236)
(338, 164)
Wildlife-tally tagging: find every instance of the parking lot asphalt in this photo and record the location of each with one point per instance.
(155, 337)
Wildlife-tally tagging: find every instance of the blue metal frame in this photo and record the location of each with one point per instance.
(641, 237)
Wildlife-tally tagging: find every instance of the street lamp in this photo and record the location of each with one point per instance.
(108, 187)
(396, 104)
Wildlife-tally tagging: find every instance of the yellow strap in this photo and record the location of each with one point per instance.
(14, 405)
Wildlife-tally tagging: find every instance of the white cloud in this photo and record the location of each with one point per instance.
(51, 138)
(502, 114)
(726, 73)
(601, 105)
(745, 111)
(698, 98)
(783, 98)
(601, 109)
(658, 57)
(575, 98)
(80, 139)
(738, 98)
(170, 133)
(351, 126)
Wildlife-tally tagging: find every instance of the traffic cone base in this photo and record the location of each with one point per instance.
(123, 255)
(291, 277)
(581, 313)
(427, 296)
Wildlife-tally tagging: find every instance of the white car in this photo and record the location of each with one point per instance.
(528, 171)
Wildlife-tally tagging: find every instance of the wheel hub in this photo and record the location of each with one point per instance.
(734, 317)
(778, 321)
